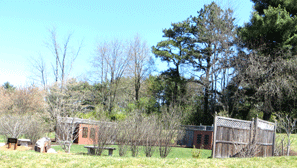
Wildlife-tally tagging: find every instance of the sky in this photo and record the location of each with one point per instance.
(24, 28)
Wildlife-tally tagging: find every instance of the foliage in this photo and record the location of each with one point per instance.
(196, 153)
(174, 50)
(21, 101)
(8, 86)
(276, 29)
(268, 62)
(289, 5)
(212, 36)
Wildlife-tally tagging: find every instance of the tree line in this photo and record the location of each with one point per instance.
(215, 66)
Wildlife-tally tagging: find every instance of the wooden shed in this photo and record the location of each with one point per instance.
(86, 129)
(200, 136)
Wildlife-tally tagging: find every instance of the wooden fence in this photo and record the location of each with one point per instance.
(240, 138)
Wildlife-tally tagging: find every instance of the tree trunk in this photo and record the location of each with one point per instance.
(288, 146)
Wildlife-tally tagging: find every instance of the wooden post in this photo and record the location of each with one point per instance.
(256, 129)
(15, 146)
(252, 131)
(9, 145)
(273, 141)
(214, 136)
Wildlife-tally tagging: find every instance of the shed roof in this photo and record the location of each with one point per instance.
(70, 120)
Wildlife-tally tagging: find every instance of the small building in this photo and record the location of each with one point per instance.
(86, 129)
(200, 136)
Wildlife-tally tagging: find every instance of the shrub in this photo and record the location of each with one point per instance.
(196, 153)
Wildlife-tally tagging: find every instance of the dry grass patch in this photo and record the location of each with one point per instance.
(19, 148)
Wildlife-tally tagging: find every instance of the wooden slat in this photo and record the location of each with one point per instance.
(232, 142)
(214, 137)
(228, 139)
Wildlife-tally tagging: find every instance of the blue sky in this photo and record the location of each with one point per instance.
(24, 28)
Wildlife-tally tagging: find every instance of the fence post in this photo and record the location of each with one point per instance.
(251, 131)
(214, 136)
(256, 129)
(274, 134)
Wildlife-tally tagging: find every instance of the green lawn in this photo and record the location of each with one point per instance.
(179, 157)
(176, 152)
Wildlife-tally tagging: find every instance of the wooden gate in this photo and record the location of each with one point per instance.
(240, 138)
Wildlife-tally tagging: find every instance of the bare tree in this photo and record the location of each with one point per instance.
(136, 134)
(64, 55)
(135, 131)
(36, 128)
(22, 112)
(104, 134)
(66, 132)
(110, 64)
(168, 129)
(288, 124)
(150, 138)
(122, 137)
(12, 126)
(140, 62)
(39, 71)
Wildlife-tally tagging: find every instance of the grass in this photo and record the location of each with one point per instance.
(34, 159)
(176, 152)
(2, 139)
(179, 157)
(293, 139)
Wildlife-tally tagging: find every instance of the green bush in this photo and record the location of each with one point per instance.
(196, 153)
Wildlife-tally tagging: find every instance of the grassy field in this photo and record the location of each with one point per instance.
(34, 159)
(179, 157)
(176, 152)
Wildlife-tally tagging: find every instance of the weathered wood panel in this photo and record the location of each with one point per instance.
(232, 136)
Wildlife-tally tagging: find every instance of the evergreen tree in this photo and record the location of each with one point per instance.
(174, 50)
(269, 66)
(289, 5)
(212, 37)
(8, 86)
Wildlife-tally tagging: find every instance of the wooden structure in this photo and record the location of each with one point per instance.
(24, 142)
(12, 141)
(91, 150)
(200, 136)
(203, 139)
(240, 138)
(86, 129)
